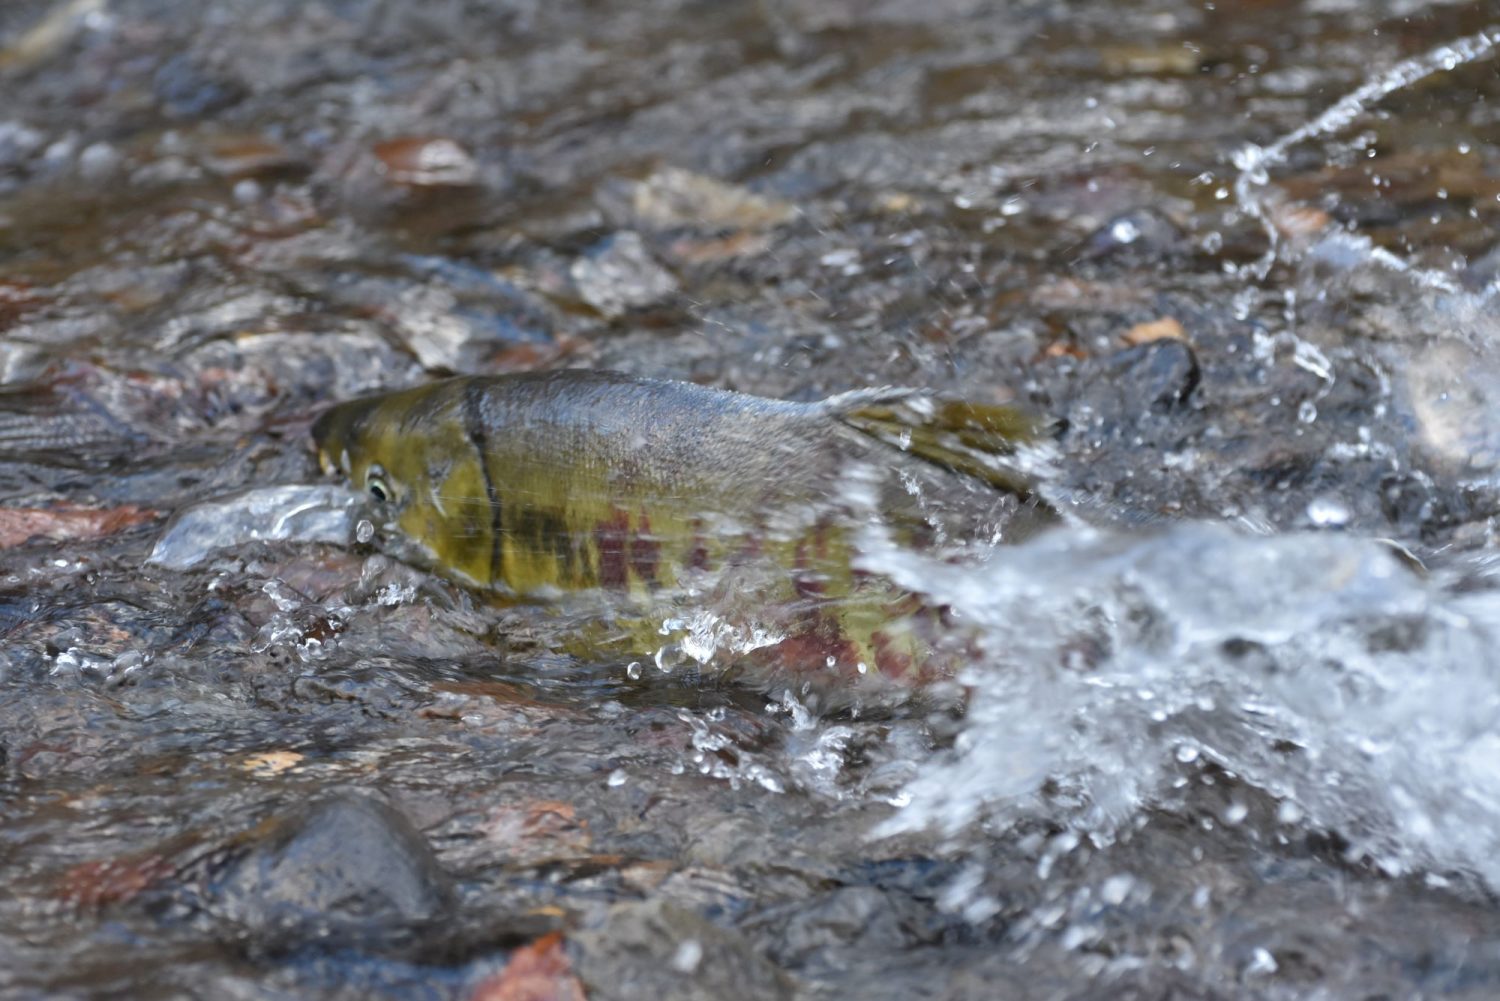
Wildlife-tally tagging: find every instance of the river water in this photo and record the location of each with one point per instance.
(1230, 731)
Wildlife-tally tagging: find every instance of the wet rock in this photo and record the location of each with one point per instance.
(240, 377)
(1159, 374)
(1154, 330)
(619, 274)
(536, 972)
(98, 884)
(1482, 273)
(1150, 60)
(462, 316)
(266, 514)
(1135, 237)
(68, 416)
(427, 162)
(655, 950)
(860, 917)
(188, 90)
(536, 832)
(97, 161)
(675, 198)
(1451, 389)
(49, 35)
(248, 156)
(349, 870)
(17, 525)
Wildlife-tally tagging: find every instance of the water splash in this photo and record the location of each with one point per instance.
(700, 636)
(1254, 163)
(1315, 667)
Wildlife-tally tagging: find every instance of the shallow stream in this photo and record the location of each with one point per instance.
(1231, 731)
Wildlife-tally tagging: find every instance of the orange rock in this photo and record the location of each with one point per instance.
(536, 972)
(1061, 349)
(1299, 221)
(1165, 328)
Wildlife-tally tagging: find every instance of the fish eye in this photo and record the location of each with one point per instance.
(376, 484)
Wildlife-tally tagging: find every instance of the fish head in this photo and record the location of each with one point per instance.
(411, 453)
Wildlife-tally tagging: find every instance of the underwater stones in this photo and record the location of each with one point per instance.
(654, 950)
(848, 917)
(1163, 372)
(347, 870)
(619, 274)
(538, 971)
(1135, 237)
(674, 198)
(426, 162)
(1156, 376)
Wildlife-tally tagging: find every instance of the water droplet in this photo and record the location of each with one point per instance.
(633, 670)
(1125, 231)
(364, 531)
(1187, 754)
(1327, 512)
(1307, 411)
(616, 778)
(687, 957)
(1116, 889)
(1235, 813)
(1261, 963)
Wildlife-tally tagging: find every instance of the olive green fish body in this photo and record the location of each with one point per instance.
(537, 484)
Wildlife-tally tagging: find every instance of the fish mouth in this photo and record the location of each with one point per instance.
(337, 429)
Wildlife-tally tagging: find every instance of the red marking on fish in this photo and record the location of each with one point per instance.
(890, 661)
(698, 555)
(820, 647)
(610, 537)
(645, 553)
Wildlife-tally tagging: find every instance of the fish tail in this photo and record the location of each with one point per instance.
(972, 439)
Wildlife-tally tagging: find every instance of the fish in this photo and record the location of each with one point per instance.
(530, 486)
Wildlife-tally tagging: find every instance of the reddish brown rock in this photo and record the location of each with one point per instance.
(19, 524)
(536, 972)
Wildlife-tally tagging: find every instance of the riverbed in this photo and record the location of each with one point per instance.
(1229, 731)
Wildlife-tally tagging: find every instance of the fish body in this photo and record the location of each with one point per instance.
(532, 485)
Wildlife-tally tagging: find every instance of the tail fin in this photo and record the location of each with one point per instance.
(971, 439)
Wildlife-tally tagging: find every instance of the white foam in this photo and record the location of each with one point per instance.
(1315, 667)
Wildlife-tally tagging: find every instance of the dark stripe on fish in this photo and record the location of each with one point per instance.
(478, 437)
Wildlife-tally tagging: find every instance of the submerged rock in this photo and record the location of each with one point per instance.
(1136, 237)
(654, 950)
(620, 274)
(348, 870)
(673, 197)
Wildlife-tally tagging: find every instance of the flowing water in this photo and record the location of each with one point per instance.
(1228, 732)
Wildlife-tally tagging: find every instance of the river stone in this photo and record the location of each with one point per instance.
(1136, 237)
(862, 917)
(1161, 373)
(347, 870)
(651, 949)
(619, 274)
